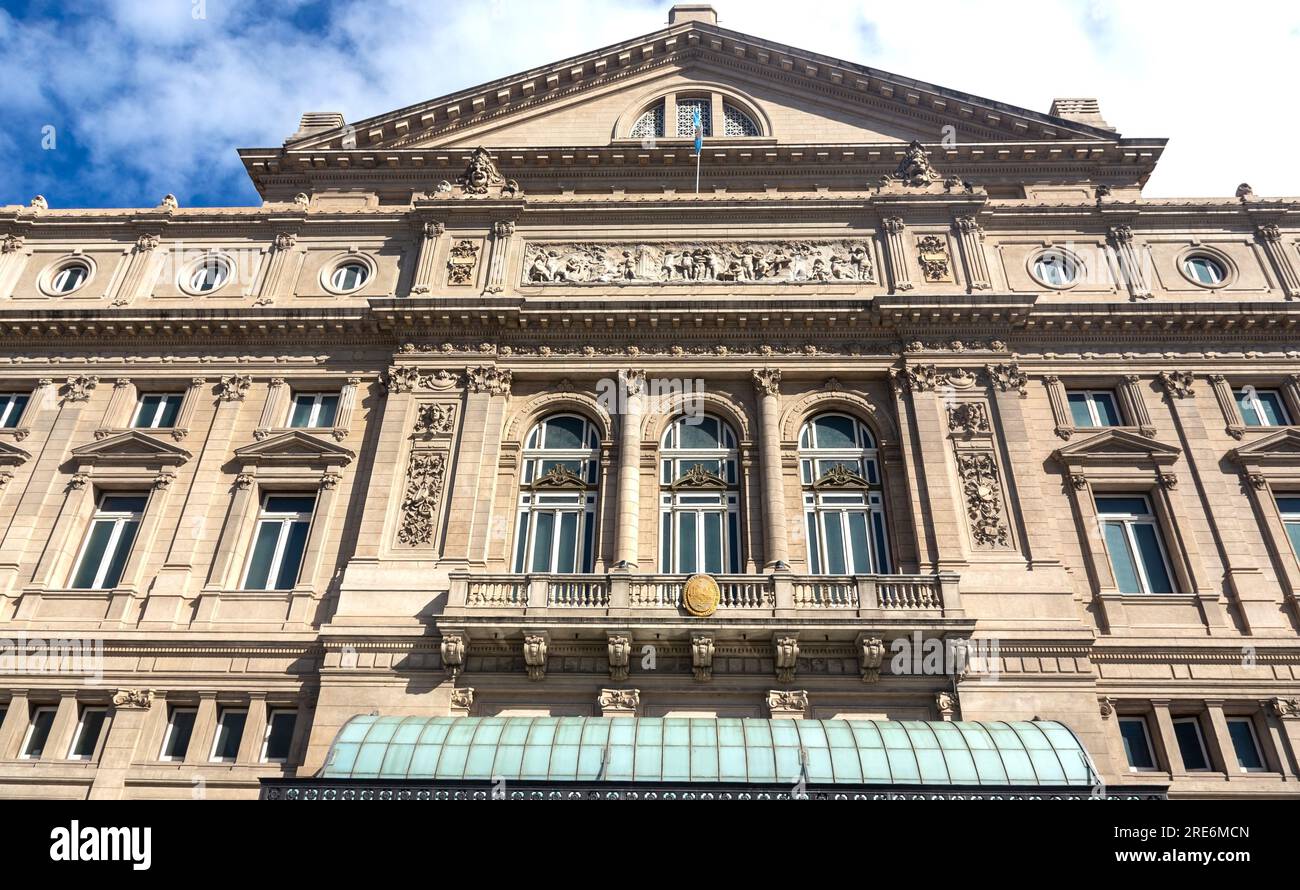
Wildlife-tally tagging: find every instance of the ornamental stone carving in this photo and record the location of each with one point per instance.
(702, 649)
(619, 702)
(932, 256)
(11, 244)
(1106, 705)
(133, 699)
(969, 418)
(1176, 384)
(78, 482)
(1257, 481)
(452, 649)
(1167, 480)
(425, 475)
(620, 651)
(164, 480)
(233, 387)
(435, 419)
(871, 654)
(399, 379)
(767, 381)
(489, 380)
(535, 646)
(946, 704)
(915, 168)
(1285, 707)
(39, 203)
(700, 262)
(983, 492)
(285, 241)
(1007, 377)
(785, 654)
(462, 262)
(147, 242)
(462, 701)
(330, 480)
(77, 389)
(480, 174)
(787, 702)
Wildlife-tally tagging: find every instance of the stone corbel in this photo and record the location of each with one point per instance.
(535, 652)
(619, 702)
(871, 654)
(1130, 264)
(1176, 384)
(619, 647)
(462, 701)
(452, 649)
(702, 648)
(946, 704)
(785, 656)
(78, 388)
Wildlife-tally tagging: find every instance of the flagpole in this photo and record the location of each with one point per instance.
(698, 152)
(699, 146)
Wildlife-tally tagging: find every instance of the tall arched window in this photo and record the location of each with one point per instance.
(699, 493)
(556, 528)
(844, 504)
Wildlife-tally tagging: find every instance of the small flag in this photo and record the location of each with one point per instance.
(699, 130)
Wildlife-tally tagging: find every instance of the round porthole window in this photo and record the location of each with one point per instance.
(1205, 270)
(208, 274)
(69, 277)
(349, 276)
(1056, 268)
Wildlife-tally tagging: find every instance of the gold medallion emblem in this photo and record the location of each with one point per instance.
(700, 596)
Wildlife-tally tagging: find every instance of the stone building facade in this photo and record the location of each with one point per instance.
(444, 426)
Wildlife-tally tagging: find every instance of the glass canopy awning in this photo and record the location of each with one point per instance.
(558, 757)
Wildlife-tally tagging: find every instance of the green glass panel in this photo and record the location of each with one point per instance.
(451, 765)
(568, 543)
(932, 765)
(875, 765)
(676, 763)
(543, 530)
(397, 760)
(834, 544)
(819, 765)
(620, 764)
(846, 765)
(988, 764)
(836, 431)
(509, 761)
(902, 766)
(93, 556)
(564, 433)
(1020, 770)
(788, 766)
(731, 732)
(1149, 547)
(732, 764)
(589, 762)
(858, 544)
(686, 555)
(537, 762)
(1121, 560)
(700, 435)
(961, 767)
(713, 543)
(564, 762)
(291, 562)
(355, 729)
(704, 763)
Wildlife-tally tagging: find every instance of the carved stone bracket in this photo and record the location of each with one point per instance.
(233, 387)
(535, 651)
(452, 650)
(785, 656)
(490, 380)
(1007, 377)
(619, 647)
(787, 703)
(702, 648)
(133, 699)
(1176, 384)
(871, 653)
(767, 381)
(619, 702)
(77, 389)
(462, 701)
(946, 704)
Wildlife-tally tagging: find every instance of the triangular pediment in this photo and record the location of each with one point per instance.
(580, 101)
(12, 455)
(1116, 446)
(294, 447)
(131, 447)
(1280, 447)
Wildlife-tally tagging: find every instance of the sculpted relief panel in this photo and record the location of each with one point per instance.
(701, 262)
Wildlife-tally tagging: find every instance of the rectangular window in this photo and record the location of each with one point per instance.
(279, 542)
(1246, 744)
(1092, 408)
(1261, 407)
(280, 725)
(108, 542)
(230, 732)
(38, 732)
(86, 738)
(1191, 744)
(1289, 506)
(179, 729)
(1137, 743)
(1134, 544)
(157, 411)
(12, 405)
(314, 410)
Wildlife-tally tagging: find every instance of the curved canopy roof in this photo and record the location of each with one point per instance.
(733, 750)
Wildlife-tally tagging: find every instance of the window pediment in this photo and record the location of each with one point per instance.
(294, 448)
(131, 448)
(1278, 449)
(1116, 448)
(12, 455)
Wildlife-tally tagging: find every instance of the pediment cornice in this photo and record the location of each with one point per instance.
(131, 448)
(1276, 449)
(295, 448)
(1116, 447)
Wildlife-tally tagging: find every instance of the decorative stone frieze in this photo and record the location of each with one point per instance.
(435, 419)
(233, 387)
(1176, 384)
(700, 262)
(982, 488)
(462, 262)
(969, 417)
(133, 699)
(494, 381)
(425, 478)
(78, 388)
(932, 257)
(1006, 377)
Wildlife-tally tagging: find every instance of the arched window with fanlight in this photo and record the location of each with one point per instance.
(844, 501)
(699, 497)
(556, 524)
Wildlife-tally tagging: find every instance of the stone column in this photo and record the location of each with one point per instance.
(498, 265)
(347, 404)
(632, 386)
(972, 253)
(133, 282)
(17, 716)
(1271, 237)
(1130, 262)
(273, 409)
(281, 251)
(250, 745)
(121, 404)
(126, 720)
(45, 476)
(487, 390)
(422, 282)
(12, 259)
(895, 251)
(767, 386)
(205, 729)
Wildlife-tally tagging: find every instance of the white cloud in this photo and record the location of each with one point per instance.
(160, 99)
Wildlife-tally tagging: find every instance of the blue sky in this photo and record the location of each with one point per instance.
(114, 103)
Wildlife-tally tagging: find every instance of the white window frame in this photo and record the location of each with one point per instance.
(337, 276)
(1129, 520)
(8, 401)
(266, 735)
(53, 711)
(222, 714)
(672, 503)
(1200, 738)
(159, 411)
(1251, 395)
(1064, 263)
(1254, 738)
(81, 727)
(119, 518)
(557, 503)
(196, 277)
(286, 521)
(1288, 517)
(1195, 261)
(313, 419)
(62, 273)
(1093, 414)
(171, 729)
(1146, 736)
(817, 504)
